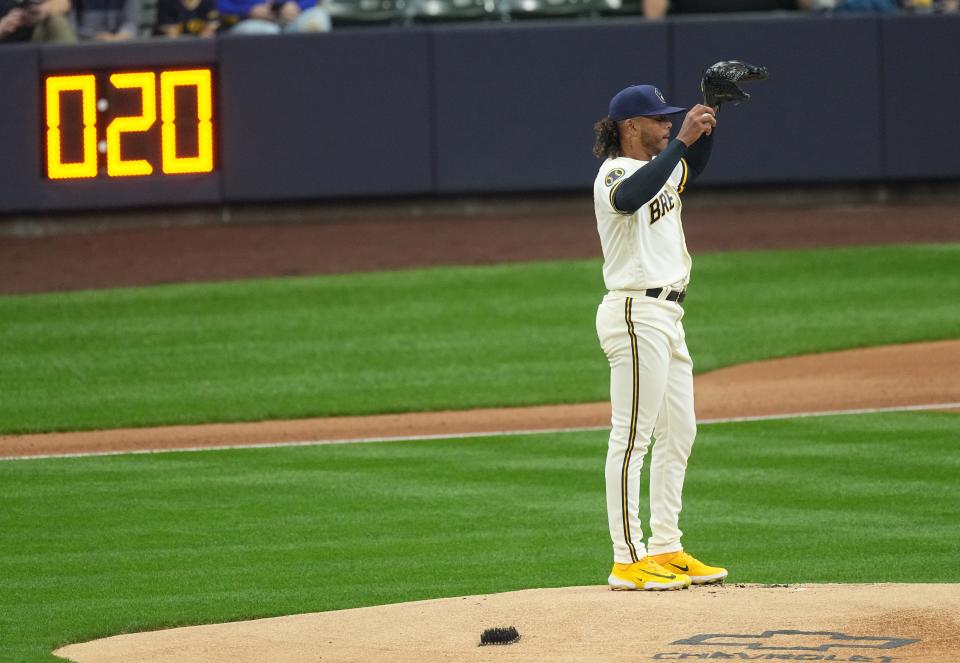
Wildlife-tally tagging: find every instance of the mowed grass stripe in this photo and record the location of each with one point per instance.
(487, 433)
(444, 338)
(93, 547)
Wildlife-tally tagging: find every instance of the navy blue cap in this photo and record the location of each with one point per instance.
(640, 100)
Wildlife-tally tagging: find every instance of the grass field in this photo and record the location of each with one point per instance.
(430, 339)
(96, 546)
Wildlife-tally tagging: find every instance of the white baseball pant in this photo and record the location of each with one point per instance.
(651, 394)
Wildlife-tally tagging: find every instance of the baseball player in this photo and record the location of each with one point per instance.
(637, 199)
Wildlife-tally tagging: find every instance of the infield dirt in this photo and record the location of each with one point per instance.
(884, 377)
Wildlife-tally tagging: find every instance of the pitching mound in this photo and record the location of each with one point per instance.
(866, 623)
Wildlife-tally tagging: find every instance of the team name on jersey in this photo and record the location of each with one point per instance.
(659, 206)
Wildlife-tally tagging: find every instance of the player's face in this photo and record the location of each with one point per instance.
(655, 133)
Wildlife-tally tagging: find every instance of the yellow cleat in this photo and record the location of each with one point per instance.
(645, 574)
(683, 562)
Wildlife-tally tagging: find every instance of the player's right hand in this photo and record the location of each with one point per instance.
(699, 120)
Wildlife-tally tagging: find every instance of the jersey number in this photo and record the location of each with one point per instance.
(660, 205)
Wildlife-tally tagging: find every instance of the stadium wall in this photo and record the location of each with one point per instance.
(492, 109)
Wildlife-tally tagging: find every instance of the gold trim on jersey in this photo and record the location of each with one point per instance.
(683, 177)
(633, 430)
(613, 190)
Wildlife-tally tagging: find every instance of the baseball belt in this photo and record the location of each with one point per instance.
(673, 296)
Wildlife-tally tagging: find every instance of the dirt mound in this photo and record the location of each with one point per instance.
(867, 623)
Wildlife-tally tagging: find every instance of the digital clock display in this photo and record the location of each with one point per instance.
(109, 124)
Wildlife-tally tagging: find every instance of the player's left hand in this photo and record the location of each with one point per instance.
(719, 81)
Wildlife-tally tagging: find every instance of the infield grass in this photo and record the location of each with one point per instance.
(92, 547)
(430, 339)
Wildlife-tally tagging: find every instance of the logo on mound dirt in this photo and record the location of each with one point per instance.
(788, 645)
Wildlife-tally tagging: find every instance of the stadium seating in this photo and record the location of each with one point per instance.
(619, 7)
(453, 10)
(519, 9)
(359, 12)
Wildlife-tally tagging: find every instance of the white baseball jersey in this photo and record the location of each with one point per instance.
(645, 249)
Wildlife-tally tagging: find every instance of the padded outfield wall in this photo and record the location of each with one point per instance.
(492, 108)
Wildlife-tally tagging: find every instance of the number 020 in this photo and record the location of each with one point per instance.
(146, 83)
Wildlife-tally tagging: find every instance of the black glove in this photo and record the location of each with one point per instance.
(719, 81)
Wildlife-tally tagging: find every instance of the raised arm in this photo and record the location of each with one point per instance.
(635, 191)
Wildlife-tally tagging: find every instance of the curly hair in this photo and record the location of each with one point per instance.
(608, 139)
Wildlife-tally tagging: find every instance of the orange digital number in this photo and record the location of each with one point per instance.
(87, 166)
(172, 162)
(202, 162)
(146, 83)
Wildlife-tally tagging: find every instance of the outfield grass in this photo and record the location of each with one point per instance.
(97, 546)
(430, 339)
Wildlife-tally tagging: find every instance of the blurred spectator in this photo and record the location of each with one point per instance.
(35, 20)
(187, 18)
(255, 17)
(723, 6)
(655, 8)
(885, 6)
(850, 6)
(932, 6)
(107, 20)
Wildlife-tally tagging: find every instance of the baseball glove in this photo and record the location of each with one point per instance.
(719, 81)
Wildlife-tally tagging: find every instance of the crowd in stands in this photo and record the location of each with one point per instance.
(838, 6)
(68, 21)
